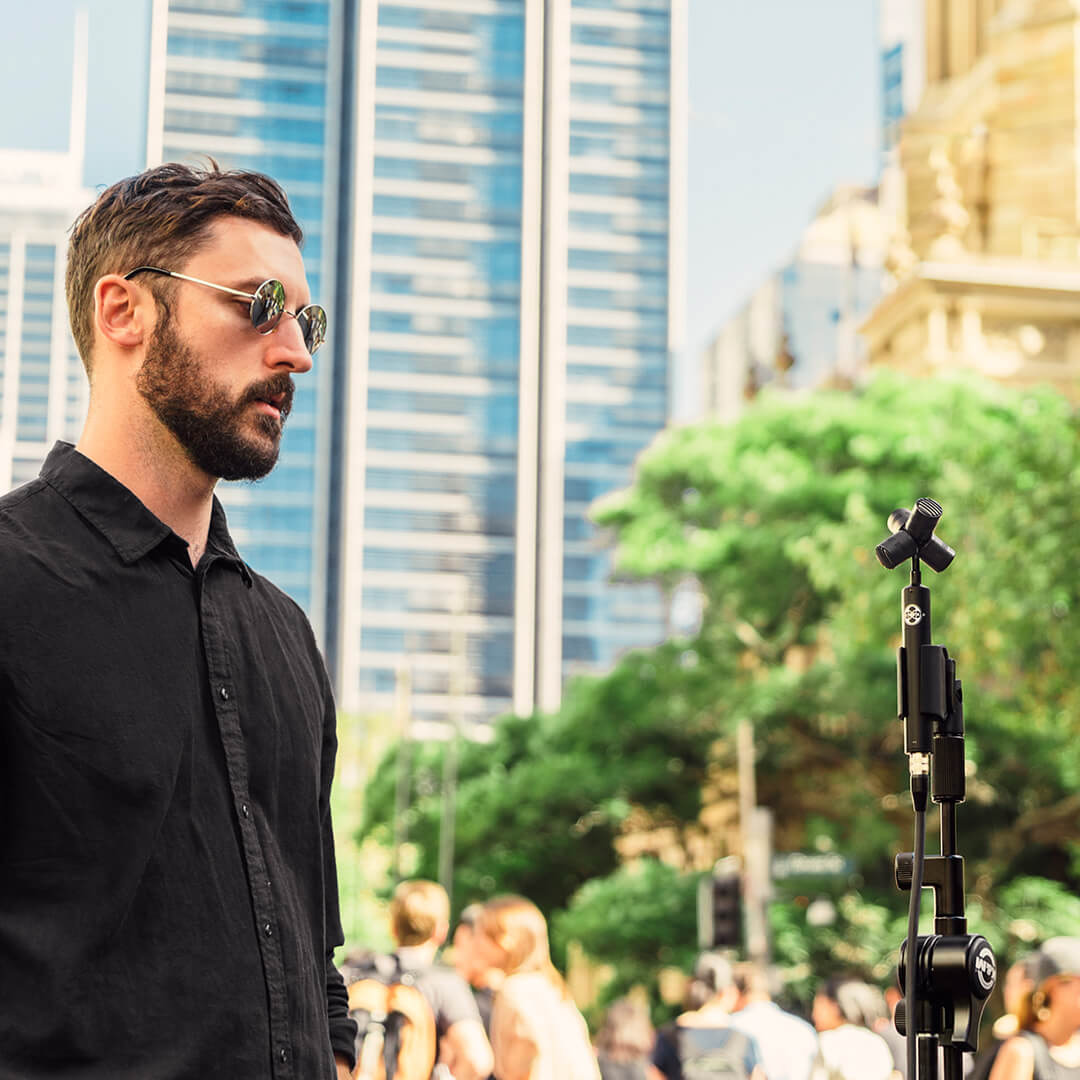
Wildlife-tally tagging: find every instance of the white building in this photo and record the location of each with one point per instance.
(799, 327)
(43, 387)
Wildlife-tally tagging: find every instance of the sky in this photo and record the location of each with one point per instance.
(783, 106)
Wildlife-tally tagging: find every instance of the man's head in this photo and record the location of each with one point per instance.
(752, 983)
(466, 961)
(187, 351)
(419, 913)
(716, 974)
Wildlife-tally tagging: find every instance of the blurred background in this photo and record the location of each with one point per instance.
(644, 315)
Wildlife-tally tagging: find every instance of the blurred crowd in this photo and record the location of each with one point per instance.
(494, 1006)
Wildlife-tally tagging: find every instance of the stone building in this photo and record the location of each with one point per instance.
(986, 258)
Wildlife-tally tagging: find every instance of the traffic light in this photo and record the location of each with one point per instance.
(720, 912)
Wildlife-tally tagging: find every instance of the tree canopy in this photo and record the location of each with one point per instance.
(775, 519)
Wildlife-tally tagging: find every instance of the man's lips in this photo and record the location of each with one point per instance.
(274, 404)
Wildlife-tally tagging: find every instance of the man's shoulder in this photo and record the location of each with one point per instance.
(30, 514)
(19, 503)
(450, 995)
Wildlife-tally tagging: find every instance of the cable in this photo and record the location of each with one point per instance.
(918, 794)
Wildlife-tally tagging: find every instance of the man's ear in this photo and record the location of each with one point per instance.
(124, 313)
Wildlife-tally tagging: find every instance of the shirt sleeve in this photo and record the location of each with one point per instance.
(456, 1002)
(342, 1028)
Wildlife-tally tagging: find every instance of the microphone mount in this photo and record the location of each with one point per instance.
(946, 976)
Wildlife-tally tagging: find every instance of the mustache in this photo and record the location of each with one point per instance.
(269, 388)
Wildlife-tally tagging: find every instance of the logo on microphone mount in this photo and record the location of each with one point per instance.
(913, 615)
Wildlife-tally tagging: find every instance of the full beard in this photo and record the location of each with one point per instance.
(218, 433)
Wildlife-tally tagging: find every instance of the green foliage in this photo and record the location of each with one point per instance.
(639, 919)
(776, 518)
(538, 809)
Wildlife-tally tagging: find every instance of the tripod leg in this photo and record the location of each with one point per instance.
(928, 1058)
(954, 1062)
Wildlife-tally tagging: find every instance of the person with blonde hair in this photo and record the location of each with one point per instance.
(419, 924)
(537, 1032)
(1047, 1046)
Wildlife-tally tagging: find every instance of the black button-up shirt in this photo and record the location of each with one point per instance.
(168, 894)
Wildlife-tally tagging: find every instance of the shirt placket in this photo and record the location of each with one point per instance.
(227, 705)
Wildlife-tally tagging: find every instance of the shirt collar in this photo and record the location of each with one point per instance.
(117, 513)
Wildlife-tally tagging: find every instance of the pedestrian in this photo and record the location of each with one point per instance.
(419, 924)
(845, 1010)
(625, 1042)
(788, 1044)
(168, 895)
(537, 1032)
(482, 978)
(1016, 985)
(1047, 1045)
(703, 1042)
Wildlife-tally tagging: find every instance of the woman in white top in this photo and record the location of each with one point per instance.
(843, 1011)
(537, 1032)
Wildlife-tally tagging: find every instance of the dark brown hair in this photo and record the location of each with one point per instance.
(160, 218)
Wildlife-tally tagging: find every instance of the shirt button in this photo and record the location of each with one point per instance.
(283, 1055)
(245, 809)
(268, 930)
(224, 692)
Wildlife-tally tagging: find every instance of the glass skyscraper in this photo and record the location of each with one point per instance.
(487, 190)
(254, 84)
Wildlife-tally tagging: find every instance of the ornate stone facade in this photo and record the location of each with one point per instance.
(986, 257)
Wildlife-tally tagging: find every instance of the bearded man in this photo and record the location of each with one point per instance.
(168, 894)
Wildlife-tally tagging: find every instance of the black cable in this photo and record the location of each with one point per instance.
(914, 903)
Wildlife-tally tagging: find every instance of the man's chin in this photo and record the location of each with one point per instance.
(251, 459)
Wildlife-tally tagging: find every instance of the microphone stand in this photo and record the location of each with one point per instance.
(953, 972)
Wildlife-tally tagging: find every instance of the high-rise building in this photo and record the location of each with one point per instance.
(903, 56)
(798, 329)
(487, 190)
(43, 388)
(256, 84)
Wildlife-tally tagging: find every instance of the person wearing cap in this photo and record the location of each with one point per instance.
(1047, 1046)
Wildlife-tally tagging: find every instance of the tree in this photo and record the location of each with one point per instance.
(540, 807)
(776, 518)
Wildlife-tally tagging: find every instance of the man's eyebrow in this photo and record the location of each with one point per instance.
(249, 285)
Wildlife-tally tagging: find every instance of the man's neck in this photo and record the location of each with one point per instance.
(146, 459)
(419, 954)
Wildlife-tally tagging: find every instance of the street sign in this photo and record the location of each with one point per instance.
(810, 864)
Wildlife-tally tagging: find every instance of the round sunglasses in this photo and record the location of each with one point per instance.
(267, 306)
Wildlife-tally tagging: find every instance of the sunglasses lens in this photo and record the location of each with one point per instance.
(268, 306)
(312, 320)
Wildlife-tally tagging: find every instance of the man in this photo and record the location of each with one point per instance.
(168, 895)
(468, 963)
(419, 924)
(788, 1045)
(703, 1042)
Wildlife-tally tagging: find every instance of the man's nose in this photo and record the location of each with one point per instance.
(287, 350)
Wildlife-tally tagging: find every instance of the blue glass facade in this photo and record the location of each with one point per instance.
(617, 295)
(248, 83)
(405, 458)
(43, 388)
(442, 381)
